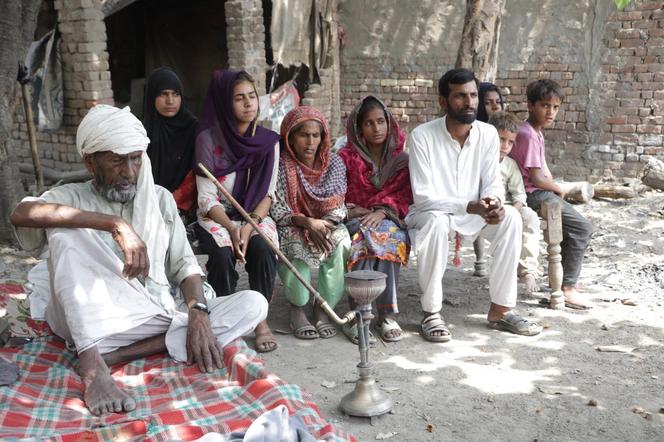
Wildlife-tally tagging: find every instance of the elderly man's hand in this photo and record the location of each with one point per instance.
(203, 349)
(137, 262)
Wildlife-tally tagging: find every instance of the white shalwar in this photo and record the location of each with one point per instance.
(445, 177)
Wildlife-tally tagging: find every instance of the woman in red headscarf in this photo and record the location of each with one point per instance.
(377, 199)
(309, 210)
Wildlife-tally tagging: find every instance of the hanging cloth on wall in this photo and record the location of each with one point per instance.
(44, 63)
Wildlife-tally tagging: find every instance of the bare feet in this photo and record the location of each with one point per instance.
(101, 394)
(573, 299)
(265, 340)
(531, 283)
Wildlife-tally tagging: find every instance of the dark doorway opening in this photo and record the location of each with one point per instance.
(189, 37)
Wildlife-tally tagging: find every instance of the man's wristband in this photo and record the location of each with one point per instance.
(200, 306)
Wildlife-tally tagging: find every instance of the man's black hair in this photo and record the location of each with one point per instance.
(455, 76)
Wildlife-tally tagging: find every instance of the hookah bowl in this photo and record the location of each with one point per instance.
(366, 400)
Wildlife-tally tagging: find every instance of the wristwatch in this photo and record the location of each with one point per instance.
(200, 306)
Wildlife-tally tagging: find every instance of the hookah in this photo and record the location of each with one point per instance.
(366, 400)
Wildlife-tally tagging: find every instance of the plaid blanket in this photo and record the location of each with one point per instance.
(15, 310)
(174, 401)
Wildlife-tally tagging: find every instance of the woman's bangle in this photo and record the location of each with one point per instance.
(256, 217)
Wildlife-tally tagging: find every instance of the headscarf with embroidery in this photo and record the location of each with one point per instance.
(312, 191)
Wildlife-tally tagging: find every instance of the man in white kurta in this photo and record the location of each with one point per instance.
(457, 187)
(122, 279)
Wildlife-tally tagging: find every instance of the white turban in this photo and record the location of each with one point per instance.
(108, 128)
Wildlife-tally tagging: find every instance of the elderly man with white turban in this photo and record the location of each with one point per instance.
(121, 281)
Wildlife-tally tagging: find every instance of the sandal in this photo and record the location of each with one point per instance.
(303, 332)
(265, 338)
(516, 324)
(435, 323)
(386, 326)
(326, 330)
(351, 333)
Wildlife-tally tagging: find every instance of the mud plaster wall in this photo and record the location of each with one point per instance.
(607, 61)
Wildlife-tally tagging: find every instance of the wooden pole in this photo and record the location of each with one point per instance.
(614, 191)
(32, 134)
(323, 303)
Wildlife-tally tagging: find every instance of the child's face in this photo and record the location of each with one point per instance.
(544, 111)
(507, 139)
(492, 102)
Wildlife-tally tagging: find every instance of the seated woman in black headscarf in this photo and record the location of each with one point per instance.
(172, 131)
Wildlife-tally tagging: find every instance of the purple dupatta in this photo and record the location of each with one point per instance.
(222, 150)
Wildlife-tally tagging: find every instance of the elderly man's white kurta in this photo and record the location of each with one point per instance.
(445, 177)
(90, 302)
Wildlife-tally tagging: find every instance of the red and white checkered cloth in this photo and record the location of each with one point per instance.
(174, 401)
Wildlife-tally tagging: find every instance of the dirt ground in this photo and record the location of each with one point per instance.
(489, 385)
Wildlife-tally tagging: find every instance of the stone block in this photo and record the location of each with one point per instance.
(650, 140)
(421, 82)
(388, 82)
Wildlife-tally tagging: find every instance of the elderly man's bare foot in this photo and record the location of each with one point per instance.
(101, 394)
(530, 282)
(265, 340)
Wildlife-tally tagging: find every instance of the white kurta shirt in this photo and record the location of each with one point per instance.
(445, 177)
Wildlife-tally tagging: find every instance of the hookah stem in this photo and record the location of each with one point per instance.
(363, 337)
(323, 303)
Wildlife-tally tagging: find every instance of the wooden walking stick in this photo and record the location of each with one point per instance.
(23, 79)
(350, 316)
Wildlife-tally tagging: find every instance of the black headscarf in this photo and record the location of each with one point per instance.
(171, 148)
(481, 110)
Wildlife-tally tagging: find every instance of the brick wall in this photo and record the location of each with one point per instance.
(410, 90)
(567, 140)
(611, 120)
(632, 88)
(609, 126)
(245, 38)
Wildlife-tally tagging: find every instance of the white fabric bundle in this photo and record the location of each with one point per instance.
(108, 128)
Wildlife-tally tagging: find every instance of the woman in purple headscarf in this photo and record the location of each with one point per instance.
(245, 159)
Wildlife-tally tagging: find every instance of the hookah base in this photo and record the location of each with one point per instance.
(366, 400)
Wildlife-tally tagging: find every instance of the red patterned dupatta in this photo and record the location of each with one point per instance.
(315, 191)
(371, 186)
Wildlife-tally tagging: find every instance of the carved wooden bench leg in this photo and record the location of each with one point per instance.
(480, 257)
(553, 235)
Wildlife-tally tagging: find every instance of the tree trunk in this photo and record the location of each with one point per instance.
(478, 50)
(17, 28)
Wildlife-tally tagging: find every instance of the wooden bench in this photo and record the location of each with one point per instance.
(551, 226)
